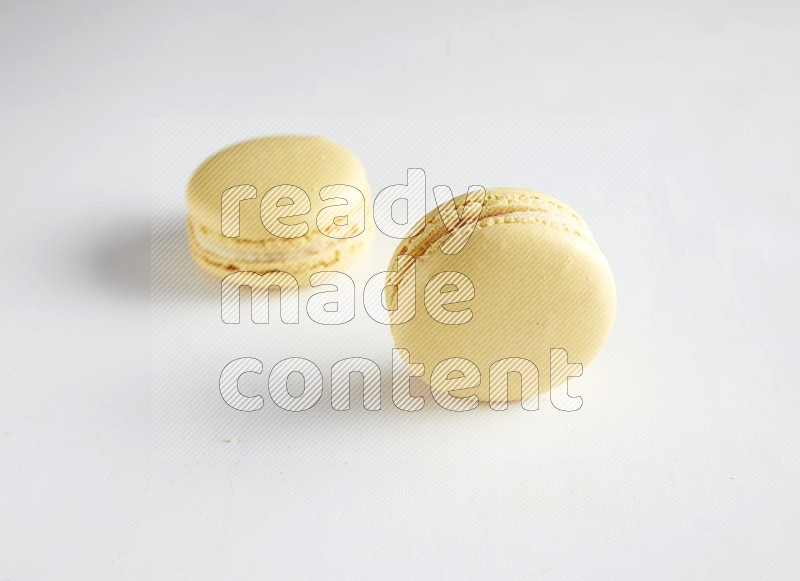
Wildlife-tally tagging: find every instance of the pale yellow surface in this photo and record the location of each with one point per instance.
(308, 162)
(540, 282)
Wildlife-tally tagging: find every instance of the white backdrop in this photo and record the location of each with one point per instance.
(684, 464)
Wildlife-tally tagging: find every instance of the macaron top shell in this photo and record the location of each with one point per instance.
(308, 162)
(540, 282)
(498, 202)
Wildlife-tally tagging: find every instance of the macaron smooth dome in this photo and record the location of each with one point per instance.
(308, 162)
(540, 282)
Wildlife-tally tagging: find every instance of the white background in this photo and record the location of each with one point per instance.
(691, 471)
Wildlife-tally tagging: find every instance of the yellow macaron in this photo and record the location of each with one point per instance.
(291, 203)
(529, 279)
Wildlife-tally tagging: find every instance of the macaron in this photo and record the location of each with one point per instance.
(529, 282)
(291, 203)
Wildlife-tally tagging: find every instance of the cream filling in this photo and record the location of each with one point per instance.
(226, 254)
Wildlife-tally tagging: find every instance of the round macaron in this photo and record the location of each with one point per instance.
(530, 279)
(296, 204)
